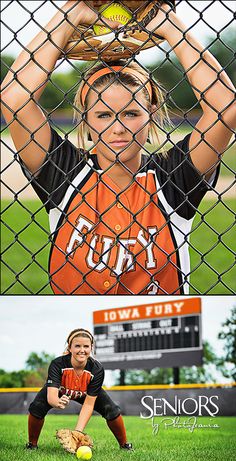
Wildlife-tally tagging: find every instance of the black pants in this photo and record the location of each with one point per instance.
(104, 405)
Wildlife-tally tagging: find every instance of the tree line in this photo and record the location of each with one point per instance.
(36, 365)
(61, 89)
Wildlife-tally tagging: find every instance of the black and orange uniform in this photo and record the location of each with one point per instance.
(111, 241)
(62, 375)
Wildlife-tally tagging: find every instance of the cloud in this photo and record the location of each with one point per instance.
(6, 340)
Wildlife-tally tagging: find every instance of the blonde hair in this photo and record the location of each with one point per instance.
(159, 119)
(78, 332)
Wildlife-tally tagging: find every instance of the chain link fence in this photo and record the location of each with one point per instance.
(104, 238)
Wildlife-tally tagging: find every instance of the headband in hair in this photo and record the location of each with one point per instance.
(108, 70)
(70, 339)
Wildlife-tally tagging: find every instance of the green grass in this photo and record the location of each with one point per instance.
(213, 248)
(25, 246)
(169, 445)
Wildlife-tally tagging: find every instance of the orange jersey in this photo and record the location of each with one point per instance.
(112, 241)
(62, 375)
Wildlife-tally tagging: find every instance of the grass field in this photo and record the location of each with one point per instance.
(25, 246)
(168, 445)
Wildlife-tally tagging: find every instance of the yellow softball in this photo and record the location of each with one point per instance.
(84, 453)
(114, 12)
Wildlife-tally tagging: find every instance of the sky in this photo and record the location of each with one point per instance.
(216, 15)
(42, 323)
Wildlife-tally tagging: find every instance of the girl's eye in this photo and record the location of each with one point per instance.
(131, 114)
(107, 115)
(103, 115)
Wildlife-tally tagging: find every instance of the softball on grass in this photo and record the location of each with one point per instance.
(114, 12)
(84, 453)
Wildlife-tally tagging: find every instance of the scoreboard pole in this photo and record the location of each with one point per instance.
(122, 377)
(176, 375)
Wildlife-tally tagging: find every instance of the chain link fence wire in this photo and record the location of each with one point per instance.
(124, 250)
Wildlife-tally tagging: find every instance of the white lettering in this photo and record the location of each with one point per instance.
(147, 406)
(148, 311)
(153, 288)
(178, 307)
(155, 406)
(135, 313)
(77, 237)
(124, 314)
(214, 404)
(106, 318)
(205, 405)
(148, 245)
(112, 315)
(168, 309)
(188, 406)
(167, 404)
(106, 245)
(124, 257)
(158, 310)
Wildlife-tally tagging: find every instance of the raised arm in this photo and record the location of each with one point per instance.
(212, 87)
(26, 80)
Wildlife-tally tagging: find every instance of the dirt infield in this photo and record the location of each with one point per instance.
(15, 184)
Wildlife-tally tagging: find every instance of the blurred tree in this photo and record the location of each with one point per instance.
(228, 334)
(188, 375)
(36, 361)
(33, 379)
(6, 62)
(33, 376)
(171, 74)
(39, 363)
(12, 379)
(60, 91)
(205, 373)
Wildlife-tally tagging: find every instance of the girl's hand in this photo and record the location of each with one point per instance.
(163, 22)
(88, 16)
(63, 402)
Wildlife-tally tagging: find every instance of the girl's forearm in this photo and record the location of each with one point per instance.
(33, 64)
(212, 86)
(53, 401)
(84, 417)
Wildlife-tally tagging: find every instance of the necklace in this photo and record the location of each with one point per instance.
(78, 373)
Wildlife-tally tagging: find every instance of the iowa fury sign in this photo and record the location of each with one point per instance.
(150, 335)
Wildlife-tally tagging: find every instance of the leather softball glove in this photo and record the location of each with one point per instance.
(121, 43)
(72, 440)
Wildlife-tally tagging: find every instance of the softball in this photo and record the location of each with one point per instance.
(84, 453)
(114, 12)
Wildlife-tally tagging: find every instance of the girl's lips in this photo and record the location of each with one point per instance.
(119, 143)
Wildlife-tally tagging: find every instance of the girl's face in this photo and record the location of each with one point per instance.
(80, 349)
(117, 135)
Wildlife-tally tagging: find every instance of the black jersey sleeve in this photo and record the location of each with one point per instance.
(62, 163)
(181, 183)
(54, 374)
(97, 380)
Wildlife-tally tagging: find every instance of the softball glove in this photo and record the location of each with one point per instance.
(121, 43)
(72, 440)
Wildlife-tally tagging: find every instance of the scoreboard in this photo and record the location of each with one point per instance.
(165, 334)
